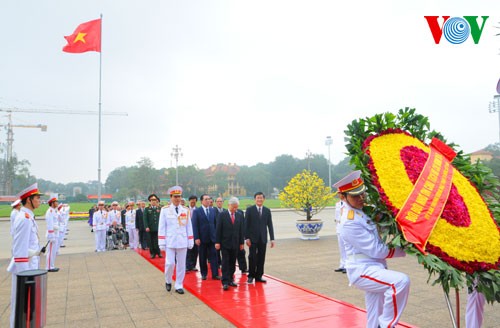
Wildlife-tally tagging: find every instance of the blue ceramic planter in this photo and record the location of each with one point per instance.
(309, 229)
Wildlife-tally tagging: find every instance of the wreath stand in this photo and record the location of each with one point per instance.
(455, 321)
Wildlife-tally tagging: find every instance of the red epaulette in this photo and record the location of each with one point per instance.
(26, 215)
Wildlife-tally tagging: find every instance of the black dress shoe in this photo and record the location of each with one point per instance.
(160, 256)
(344, 271)
(225, 287)
(339, 270)
(261, 280)
(168, 286)
(203, 277)
(153, 256)
(179, 291)
(244, 271)
(250, 280)
(216, 278)
(53, 270)
(232, 284)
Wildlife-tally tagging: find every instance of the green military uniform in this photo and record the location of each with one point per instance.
(151, 220)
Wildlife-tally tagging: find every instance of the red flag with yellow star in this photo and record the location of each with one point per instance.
(86, 37)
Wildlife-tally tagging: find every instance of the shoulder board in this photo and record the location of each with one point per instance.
(350, 215)
(26, 215)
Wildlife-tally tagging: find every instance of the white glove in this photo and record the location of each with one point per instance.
(162, 247)
(190, 243)
(32, 252)
(56, 227)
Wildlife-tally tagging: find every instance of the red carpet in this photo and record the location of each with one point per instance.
(276, 303)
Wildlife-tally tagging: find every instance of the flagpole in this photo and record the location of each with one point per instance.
(99, 148)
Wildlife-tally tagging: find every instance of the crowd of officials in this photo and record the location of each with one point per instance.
(208, 236)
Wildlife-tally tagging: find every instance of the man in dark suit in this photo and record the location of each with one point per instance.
(203, 221)
(218, 210)
(258, 220)
(229, 240)
(192, 254)
(139, 225)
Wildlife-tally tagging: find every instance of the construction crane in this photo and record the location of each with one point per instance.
(6, 185)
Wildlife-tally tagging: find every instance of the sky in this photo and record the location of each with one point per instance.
(236, 81)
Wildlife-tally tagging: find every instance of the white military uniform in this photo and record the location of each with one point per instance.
(13, 216)
(367, 269)
(100, 226)
(338, 224)
(474, 310)
(114, 216)
(25, 250)
(52, 220)
(133, 234)
(63, 214)
(175, 233)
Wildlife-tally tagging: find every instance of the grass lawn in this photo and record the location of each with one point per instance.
(84, 207)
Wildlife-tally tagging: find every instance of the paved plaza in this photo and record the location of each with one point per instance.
(121, 289)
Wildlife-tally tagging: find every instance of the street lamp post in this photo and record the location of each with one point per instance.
(308, 155)
(329, 142)
(176, 153)
(494, 107)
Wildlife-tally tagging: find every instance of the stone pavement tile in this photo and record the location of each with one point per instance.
(132, 294)
(81, 301)
(117, 318)
(141, 305)
(156, 322)
(205, 313)
(55, 325)
(146, 315)
(86, 323)
(75, 315)
(112, 312)
(166, 303)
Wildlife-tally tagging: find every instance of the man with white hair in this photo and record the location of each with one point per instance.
(100, 226)
(229, 238)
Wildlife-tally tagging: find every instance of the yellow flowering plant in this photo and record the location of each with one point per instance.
(464, 246)
(306, 194)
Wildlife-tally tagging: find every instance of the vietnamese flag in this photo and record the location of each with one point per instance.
(86, 37)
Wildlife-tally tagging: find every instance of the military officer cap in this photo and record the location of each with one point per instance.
(53, 198)
(352, 184)
(29, 191)
(15, 203)
(153, 195)
(175, 190)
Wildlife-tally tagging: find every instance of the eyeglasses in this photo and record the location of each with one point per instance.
(176, 196)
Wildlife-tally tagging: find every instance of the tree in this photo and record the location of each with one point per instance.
(306, 193)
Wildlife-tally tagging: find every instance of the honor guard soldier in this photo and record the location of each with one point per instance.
(133, 234)
(386, 291)
(100, 226)
(339, 206)
(25, 243)
(16, 206)
(52, 220)
(151, 221)
(175, 236)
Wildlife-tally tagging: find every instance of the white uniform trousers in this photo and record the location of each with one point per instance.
(62, 234)
(474, 310)
(33, 265)
(386, 294)
(50, 257)
(100, 240)
(180, 268)
(341, 251)
(133, 237)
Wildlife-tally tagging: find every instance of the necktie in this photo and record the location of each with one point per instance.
(232, 218)
(207, 213)
(177, 210)
(260, 212)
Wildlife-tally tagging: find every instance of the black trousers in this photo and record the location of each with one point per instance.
(153, 245)
(143, 239)
(256, 259)
(242, 261)
(228, 264)
(191, 257)
(207, 252)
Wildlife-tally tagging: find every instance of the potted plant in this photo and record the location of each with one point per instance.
(307, 195)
